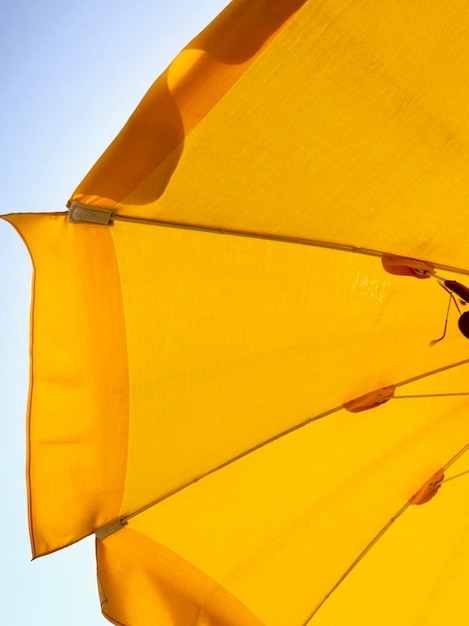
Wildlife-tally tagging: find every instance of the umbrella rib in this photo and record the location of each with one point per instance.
(446, 480)
(456, 457)
(272, 237)
(431, 395)
(378, 536)
(438, 370)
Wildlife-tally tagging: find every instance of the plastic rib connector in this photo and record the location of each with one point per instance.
(404, 266)
(429, 489)
(370, 400)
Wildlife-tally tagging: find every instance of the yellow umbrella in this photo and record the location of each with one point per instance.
(235, 378)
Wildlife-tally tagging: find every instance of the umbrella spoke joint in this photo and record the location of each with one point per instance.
(112, 527)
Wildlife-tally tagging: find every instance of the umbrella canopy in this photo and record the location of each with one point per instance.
(235, 381)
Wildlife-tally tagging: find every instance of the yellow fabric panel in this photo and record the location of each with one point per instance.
(231, 340)
(209, 377)
(78, 404)
(351, 127)
(279, 527)
(417, 573)
(142, 582)
(153, 138)
(161, 355)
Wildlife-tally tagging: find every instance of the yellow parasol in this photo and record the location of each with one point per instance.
(235, 378)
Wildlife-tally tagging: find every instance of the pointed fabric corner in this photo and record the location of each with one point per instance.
(78, 399)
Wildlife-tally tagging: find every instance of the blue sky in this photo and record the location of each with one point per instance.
(71, 74)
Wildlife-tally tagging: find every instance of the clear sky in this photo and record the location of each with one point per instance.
(71, 74)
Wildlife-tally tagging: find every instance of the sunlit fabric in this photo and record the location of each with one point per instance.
(191, 356)
(79, 381)
(354, 117)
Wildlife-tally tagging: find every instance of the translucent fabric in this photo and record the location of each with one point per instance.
(194, 357)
